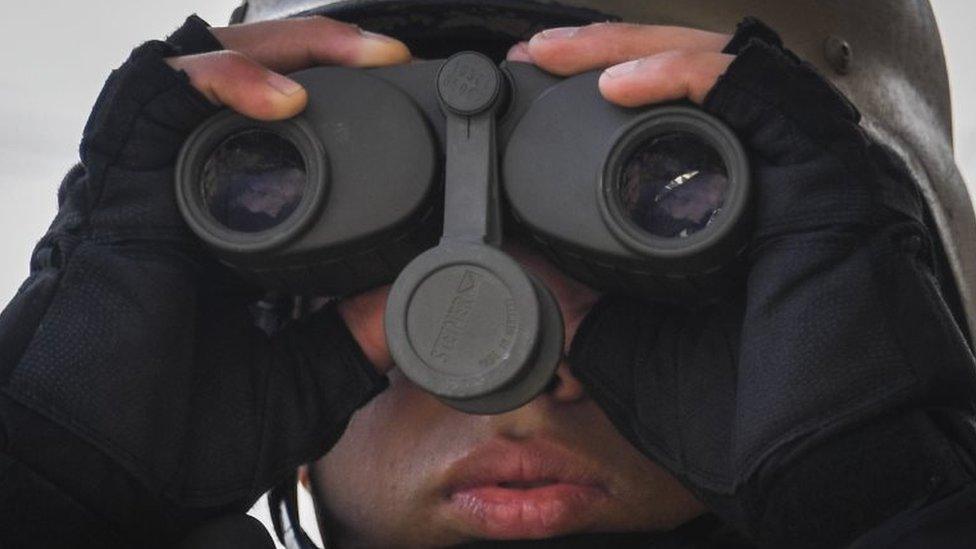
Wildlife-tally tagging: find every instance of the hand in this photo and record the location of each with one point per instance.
(246, 76)
(363, 314)
(746, 400)
(136, 348)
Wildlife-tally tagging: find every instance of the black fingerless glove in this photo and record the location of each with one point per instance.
(134, 382)
(818, 403)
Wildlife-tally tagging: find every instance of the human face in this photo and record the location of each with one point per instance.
(411, 471)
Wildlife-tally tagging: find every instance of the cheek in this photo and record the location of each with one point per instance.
(575, 299)
(377, 480)
(573, 315)
(361, 474)
(571, 324)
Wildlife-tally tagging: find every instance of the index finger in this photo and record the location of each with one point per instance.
(293, 44)
(572, 50)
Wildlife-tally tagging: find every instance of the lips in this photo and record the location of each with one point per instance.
(536, 489)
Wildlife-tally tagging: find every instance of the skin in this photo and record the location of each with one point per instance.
(383, 484)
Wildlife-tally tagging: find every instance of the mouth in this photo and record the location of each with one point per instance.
(523, 491)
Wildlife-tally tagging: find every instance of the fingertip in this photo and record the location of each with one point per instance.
(663, 77)
(268, 102)
(697, 94)
(614, 90)
(519, 53)
(613, 81)
(289, 105)
(550, 59)
(557, 55)
(538, 47)
(283, 85)
(277, 99)
(377, 50)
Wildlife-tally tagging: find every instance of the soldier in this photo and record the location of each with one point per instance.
(827, 402)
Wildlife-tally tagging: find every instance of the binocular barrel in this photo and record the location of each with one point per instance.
(405, 174)
(340, 198)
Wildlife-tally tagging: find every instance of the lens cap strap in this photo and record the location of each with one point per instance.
(463, 320)
(469, 86)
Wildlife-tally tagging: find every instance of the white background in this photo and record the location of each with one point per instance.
(55, 55)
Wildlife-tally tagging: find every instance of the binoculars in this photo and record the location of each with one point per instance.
(405, 174)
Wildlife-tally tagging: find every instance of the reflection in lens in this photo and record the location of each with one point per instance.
(673, 185)
(253, 181)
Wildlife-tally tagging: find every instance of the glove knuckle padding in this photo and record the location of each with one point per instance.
(97, 377)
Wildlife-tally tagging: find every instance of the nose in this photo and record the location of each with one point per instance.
(540, 414)
(564, 387)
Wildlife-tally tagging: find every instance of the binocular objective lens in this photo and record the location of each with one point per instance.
(253, 181)
(673, 185)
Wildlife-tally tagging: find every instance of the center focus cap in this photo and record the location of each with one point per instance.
(463, 332)
(462, 321)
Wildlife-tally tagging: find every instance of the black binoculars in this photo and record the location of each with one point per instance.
(406, 174)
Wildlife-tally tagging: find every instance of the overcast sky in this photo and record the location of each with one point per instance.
(56, 54)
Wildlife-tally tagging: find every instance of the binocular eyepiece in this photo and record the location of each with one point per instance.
(405, 173)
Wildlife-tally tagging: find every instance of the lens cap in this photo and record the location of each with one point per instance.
(466, 323)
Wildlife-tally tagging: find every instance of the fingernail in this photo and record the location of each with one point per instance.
(622, 69)
(379, 50)
(519, 52)
(283, 84)
(376, 36)
(559, 32)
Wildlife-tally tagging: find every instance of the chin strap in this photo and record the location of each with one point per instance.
(283, 504)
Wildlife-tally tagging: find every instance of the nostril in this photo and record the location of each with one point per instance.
(553, 384)
(564, 386)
